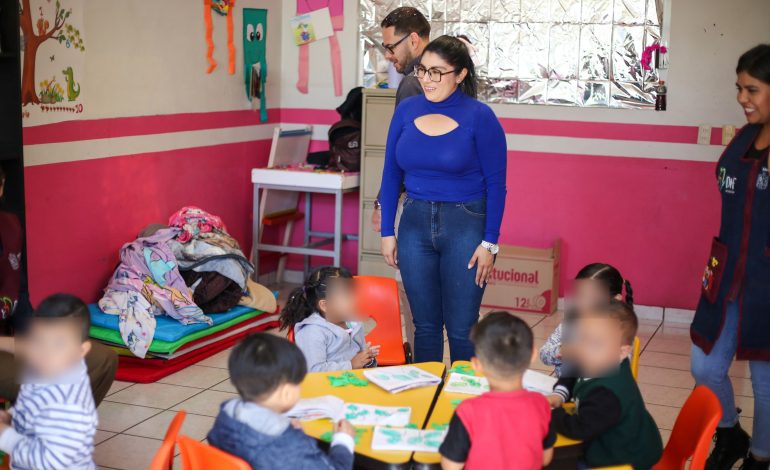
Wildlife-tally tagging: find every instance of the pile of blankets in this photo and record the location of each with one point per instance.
(186, 270)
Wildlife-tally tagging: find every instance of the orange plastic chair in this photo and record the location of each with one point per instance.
(693, 431)
(164, 458)
(199, 456)
(377, 297)
(290, 334)
(635, 357)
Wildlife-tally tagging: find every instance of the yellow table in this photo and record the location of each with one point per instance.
(445, 408)
(419, 399)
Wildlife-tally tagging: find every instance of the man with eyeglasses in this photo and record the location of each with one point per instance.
(405, 33)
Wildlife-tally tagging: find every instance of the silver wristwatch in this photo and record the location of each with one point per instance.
(490, 247)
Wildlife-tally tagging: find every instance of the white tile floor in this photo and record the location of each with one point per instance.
(133, 418)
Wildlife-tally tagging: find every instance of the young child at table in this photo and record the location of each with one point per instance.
(610, 417)
(597, 282)
(267, 370)
(53, 422)
(507, 424)
(323, 315)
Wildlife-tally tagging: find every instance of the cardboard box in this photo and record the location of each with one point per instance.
(524, 279)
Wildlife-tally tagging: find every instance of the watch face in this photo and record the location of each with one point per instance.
(495, 249)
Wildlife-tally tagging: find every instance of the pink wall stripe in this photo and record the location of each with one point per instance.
(70, 131)
(607, 130)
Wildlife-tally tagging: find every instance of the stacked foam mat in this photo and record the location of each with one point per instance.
(176, 346)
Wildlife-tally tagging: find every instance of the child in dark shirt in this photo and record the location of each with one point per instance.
(267, 370)
(508, 424)
(610, 417)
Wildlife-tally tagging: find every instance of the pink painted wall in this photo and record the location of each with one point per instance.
(79, 214)
(652, 218)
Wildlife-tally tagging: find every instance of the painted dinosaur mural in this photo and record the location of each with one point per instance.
(58, 29)
(72, 93)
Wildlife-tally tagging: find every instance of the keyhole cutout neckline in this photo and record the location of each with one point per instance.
(435, 125)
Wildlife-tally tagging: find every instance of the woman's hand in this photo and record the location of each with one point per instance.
(390, 251)
(485, 261)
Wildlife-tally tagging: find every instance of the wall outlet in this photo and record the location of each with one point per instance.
(704, 135)
(728, 132)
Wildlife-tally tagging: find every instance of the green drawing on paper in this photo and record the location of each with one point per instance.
(411, 426)
(439, 427)
(347, 378)
(351, 415)
(392, 435)
(328, 435)
(379, 412)
(414, 440)
(383, 376)
(455, 402)
(462, 369)
(403, 410)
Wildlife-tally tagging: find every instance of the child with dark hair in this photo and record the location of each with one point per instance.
(507, 424)
(267, 370)
(323, 315)
(595, 283)
(53, 423)
(610, 416)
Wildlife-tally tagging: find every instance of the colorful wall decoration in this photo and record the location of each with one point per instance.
(254, 57)
(53, 49)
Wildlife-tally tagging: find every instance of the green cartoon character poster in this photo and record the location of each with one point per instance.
(254, 57)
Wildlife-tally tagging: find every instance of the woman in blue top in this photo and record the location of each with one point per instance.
(449, 151)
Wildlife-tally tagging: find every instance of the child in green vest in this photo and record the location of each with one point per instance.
(610, 417)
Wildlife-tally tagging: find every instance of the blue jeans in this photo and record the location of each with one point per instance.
(711, 370)
(436, 240)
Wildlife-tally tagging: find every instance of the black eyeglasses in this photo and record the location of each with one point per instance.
(391, 47)
(434, 75)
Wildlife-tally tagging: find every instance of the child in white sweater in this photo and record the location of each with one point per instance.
(53, 422)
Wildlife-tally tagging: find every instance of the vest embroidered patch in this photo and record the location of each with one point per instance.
(726, 182)
(763, 179)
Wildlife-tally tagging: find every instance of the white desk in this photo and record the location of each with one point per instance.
(309, 182)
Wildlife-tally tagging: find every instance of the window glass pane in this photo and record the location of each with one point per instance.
(557, 52)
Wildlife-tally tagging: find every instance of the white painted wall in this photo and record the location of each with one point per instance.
(147, 58)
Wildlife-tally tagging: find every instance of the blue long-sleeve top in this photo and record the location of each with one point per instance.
(466, 164)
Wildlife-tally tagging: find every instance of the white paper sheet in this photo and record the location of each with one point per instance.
(312, 26)
(309, 409)
(399, 378)
(538, 382)
(360, 414)
(468, 384)
(415, 440)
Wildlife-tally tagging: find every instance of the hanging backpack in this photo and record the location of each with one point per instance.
(345, 145)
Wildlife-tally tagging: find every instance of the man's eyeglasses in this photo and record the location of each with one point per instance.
(392, 47)
(433, 74)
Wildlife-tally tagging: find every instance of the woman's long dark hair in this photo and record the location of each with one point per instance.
(756, 62)
(610, 277)
(304, 300)
(456, 54)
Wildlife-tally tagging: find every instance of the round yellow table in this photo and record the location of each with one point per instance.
(419, 399)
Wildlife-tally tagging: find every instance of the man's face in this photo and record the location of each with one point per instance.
(399, 55)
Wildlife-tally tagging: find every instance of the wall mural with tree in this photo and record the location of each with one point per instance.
(53, 50)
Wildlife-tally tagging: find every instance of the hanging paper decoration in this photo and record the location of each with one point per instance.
(336, 11)
(255, 57)
(225, 8)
